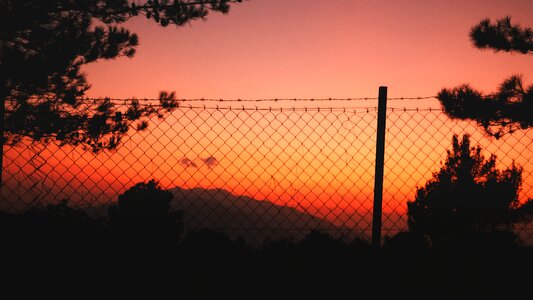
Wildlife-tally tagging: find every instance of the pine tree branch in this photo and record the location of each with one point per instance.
(502, 36)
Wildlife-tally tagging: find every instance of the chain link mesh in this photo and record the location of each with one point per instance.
(263, 173)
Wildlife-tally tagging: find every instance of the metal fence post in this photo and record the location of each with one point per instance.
(380, 160)
(2, 129)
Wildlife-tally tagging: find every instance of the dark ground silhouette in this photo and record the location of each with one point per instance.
(59, 247)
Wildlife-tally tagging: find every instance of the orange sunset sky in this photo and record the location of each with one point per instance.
(322, 163)
(316, 48)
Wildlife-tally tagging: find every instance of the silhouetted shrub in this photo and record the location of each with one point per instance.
(143, 216)
(468, 196)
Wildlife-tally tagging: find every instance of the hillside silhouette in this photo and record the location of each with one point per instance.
(256, 221)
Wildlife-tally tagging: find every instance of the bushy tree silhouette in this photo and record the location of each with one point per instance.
(467, 197)
(143, 216)
(44, 44)
(510, 107)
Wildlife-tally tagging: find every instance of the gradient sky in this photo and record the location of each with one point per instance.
(312, 48)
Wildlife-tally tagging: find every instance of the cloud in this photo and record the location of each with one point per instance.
(188, 163)
(210, 161)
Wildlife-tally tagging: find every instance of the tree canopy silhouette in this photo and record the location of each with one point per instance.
(467, 195)
(43, 45)
(143, 214)
(510, 107)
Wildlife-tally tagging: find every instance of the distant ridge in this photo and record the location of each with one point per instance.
(241, 216)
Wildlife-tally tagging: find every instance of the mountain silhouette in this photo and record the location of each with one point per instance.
(241, 216)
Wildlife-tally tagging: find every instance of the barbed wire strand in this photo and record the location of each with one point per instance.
(125, 100)
(305, 109)
(259, 99)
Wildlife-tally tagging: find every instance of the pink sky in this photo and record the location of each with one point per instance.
(311, 48)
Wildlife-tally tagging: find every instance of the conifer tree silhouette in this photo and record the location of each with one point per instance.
(44, 44)
(510, 107)
(467, 196)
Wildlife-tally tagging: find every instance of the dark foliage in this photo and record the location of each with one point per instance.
(511, 107)
(143, 217)
(505, 111)
(44, 44)
(468, 197)
(502, 36)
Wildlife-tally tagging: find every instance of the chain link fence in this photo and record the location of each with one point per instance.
(261, 173)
